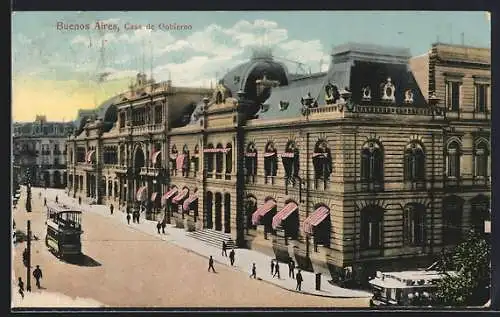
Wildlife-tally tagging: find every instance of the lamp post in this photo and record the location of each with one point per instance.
(154, 202)
(126, 197)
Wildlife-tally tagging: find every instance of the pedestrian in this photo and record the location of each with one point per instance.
(137, 216)
(57, 199)
(299, 279)
(163, 225)
(224, 248)
(37, 274)
(40, 195)
(79, 200)
(21, 287)
(291, 268)
(231, 256)
(254, 271)
(128, 218)
(276, 269)
(158, 226)
(45, 201)
(211, 264)
(272, 266)
(111, 208)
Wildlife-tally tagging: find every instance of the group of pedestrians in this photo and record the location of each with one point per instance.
(275, 271)
(161, 225)
(231, 254)
(37, 274)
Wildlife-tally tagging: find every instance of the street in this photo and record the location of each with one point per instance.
(123, 267)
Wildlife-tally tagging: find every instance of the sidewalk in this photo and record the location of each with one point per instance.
(243, 257)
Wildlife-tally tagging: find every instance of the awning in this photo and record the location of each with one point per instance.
(153, 196)
(180, 196)
(319, 155)
(90, 156)
(251, 154)
(262, 211)
(141, 193)
(288, 155)
(154, 157)
(218, 150)
(284, 213)
(315, 219)
(269, 154)
(168, 195)
(179, 161)
(189, 201)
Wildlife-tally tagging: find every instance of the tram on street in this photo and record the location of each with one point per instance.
(64, 230)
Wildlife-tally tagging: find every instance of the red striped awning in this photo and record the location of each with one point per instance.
(315, 219)
(179, 161)
(218, 150)
(154, 157)
(173, 156)
(284, 213)
(251, 154)
(262, 211)
(288, 154)
(153, 196)
(180, 196)
(269, 154)
(168, 195)
(141, 193)
(90, 156)
(191, 199)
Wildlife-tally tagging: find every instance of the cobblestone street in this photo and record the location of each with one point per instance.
(124, 267)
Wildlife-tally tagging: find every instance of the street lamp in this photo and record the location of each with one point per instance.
(126, 197)
(154, 202)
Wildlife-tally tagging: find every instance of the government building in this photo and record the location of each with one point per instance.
(378, 163)
(40, 148)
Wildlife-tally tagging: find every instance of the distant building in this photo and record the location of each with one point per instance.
(354, 169)
(40, 147)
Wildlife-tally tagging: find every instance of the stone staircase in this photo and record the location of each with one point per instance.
(213, 238)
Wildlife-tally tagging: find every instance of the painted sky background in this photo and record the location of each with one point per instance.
(56, 72)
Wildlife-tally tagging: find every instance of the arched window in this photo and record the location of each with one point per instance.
(251, 162)
(414, 162)
(452, 219)
(219, 160)
(270, 161)
(209, 158)
(290, 161)
(481, 155)
(322, 162)
(372, 164)
(372, 218)
(414, 224)
(229, 159)
(453, 159)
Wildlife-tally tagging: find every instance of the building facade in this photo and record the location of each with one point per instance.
(353, 169)
(40, 147)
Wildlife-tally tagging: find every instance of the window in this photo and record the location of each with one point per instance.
(158, 114)
(291, 163)
(372, 162)
(452, 219)
(185, 162)
(414, 228)
(322, 161)
(229, 159)
(481, 155)
(80, 154)
(122, 155)
(371, 227)
(122, 119)
(480, 212)
(453, 95)
(209, 158)
(414, 162)
(453, 159)
(481, 97)
(270, 161)
(219, 160)
(251, 162)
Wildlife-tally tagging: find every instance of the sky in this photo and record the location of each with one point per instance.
(58, 71)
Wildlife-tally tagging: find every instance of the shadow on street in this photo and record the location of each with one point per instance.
(81, 260)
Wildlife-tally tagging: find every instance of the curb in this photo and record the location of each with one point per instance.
(229, 266)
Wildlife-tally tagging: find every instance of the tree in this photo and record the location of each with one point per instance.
(471, 262)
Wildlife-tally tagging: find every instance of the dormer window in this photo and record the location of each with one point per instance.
(331, 94)
(408, 96)
(284, 105)
(388, 91)
(218, 99)
(367, 93)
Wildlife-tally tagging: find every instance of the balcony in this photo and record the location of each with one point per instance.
(142, 129)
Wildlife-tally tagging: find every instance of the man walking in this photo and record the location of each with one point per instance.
(57, 199)
(163, 225)
(277, 269)
(37, 274)
(291, 268)
(254, 271)
(224, 248)
(21, 287)
(158, 226)
(211, 264)
(231, 256)
(45, 201)
(128, 217)
(299, 281)
(272, 266)
(111, 208)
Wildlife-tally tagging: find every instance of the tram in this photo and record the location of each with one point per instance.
(64, 230)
